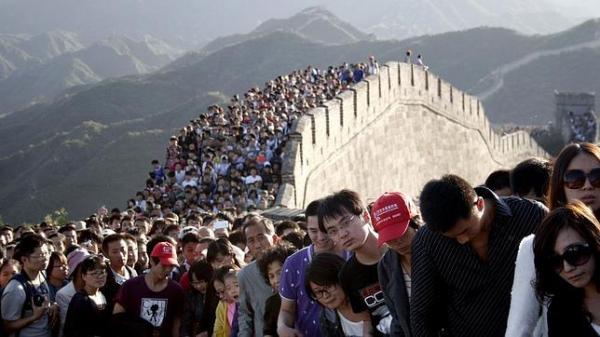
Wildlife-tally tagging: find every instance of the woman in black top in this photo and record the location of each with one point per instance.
(567, 251)
(87, 315)
(200, 275)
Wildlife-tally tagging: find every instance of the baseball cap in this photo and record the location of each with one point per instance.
(165, 252)
(391, 214)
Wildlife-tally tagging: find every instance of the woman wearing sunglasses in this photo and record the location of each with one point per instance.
(575, 176)
(337, 318)
(566, 249)
(88, 315)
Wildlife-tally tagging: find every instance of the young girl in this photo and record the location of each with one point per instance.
(226, 285)
(8, 269)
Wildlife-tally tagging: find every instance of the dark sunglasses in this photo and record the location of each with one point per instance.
(575, 179)
(575, 255)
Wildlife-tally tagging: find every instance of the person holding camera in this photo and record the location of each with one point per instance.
(25, 302)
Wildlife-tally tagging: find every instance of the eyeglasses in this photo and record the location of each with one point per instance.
(39, 256)
(97, 273)
(343, 223)
(575, 179)
(328, 290)
(575, 255)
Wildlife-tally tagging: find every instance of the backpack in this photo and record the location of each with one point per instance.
(29, 290)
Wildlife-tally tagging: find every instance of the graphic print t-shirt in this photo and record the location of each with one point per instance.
(361, 283)
(157, 308)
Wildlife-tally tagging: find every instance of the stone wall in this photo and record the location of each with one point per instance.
(394, 132)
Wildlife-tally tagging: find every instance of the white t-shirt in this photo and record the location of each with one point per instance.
(596, 328)
(120, 279)
(407, 283)
(252, 179)
(63, 298)
(351, 329)
(13, 299)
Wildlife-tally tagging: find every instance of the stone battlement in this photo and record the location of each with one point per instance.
(394, 131)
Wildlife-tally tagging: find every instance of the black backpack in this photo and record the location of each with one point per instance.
(29, 290)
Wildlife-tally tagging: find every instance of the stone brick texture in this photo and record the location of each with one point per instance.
(394, 132)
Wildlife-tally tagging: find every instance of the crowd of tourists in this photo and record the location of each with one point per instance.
(583, 127)
(192, 255)
(513, 257)
(230, 158)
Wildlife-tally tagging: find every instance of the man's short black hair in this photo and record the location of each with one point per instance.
(498, 180)
(66, 228)
(445, 201)
(337, 204)
(294, 238)
(190, 238)
(285, 225)
(313, 208)
(110, 239)
(531, 175)
(27, 245)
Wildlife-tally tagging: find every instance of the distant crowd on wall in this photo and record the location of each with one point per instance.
(514, 256)
(229, 158)
(583, 127)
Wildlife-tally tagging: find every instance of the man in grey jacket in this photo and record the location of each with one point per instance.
(254, 291)
(395, 218)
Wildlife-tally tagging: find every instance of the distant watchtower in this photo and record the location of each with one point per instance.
(575, 116)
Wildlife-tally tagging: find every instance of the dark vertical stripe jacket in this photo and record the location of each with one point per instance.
(452, 289)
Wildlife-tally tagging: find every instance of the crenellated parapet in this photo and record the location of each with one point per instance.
(395, 131)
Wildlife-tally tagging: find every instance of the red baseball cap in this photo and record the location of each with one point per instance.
(391, 214)
(165, 252)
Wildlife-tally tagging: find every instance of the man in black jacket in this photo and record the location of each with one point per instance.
(114, 247)
(396, 220)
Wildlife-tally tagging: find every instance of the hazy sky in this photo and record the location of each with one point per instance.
(193, 22)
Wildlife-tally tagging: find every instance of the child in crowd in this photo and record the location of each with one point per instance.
(270, 265)
(8, 269)
(226, 285)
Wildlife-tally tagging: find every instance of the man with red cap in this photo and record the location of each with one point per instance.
(153, 296)
(395, 219)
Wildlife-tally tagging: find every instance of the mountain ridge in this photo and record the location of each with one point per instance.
(59, 63)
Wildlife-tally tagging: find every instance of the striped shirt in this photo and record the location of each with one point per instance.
(452, 289)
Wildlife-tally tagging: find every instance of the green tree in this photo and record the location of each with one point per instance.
(58, 218)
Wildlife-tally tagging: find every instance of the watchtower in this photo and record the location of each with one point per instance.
(575, 116)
